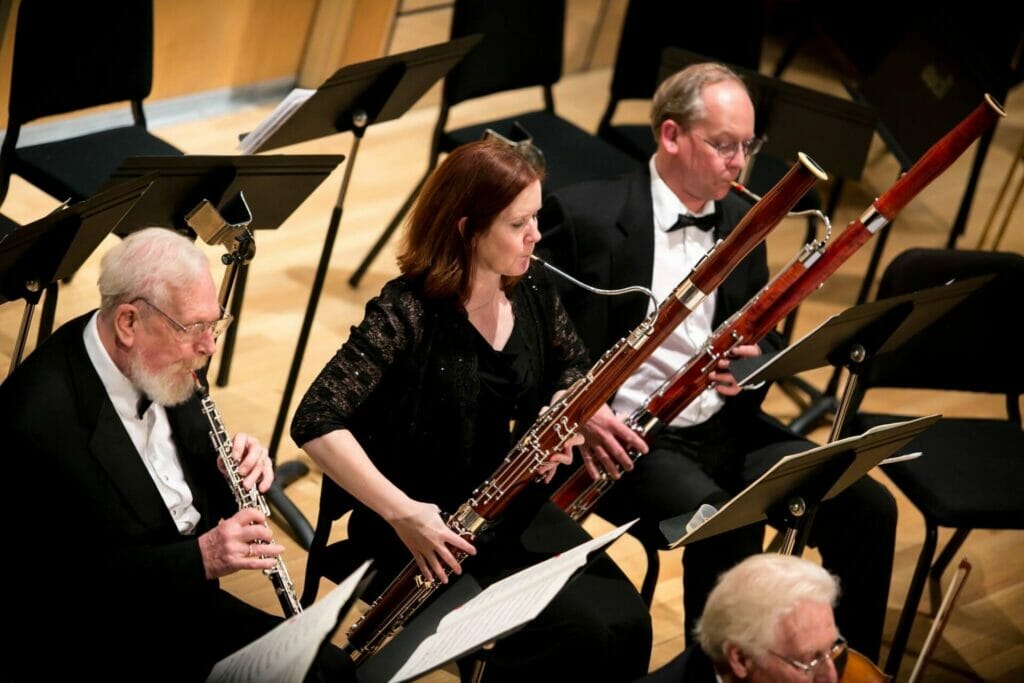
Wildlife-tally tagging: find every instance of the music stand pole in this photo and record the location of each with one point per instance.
(237, 239)
(26, 323)
(294, 469)
(799, 515)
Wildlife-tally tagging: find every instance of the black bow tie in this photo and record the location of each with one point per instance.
(143, 405)
(704, 223)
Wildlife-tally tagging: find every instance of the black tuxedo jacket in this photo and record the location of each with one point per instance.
(603, 233)
(90, 528)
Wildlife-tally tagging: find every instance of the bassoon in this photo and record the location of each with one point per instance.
(548, 435)
(578, 495)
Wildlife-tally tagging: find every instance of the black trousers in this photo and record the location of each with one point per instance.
(178, 639)
(709, 463)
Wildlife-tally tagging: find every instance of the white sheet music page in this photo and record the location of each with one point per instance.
(286, 653)
(282, 112)
(503, 606)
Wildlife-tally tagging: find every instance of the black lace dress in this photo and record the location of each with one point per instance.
(437, 409)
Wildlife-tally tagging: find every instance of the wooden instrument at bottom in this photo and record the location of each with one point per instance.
(860, 669)
(941, 617)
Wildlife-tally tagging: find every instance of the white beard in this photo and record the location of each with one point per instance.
(164, 388)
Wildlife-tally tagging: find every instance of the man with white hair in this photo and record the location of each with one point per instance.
(768, 620)
(126, 523)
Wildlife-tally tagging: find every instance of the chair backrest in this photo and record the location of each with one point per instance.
(652, 25)
(925, 86)
(969, 348)
(74, 55)
(521, 47)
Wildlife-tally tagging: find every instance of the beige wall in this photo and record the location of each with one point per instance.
(201, 45)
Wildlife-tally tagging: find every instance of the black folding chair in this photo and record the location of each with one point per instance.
(74, 56)
(69, 57)
(971, 473)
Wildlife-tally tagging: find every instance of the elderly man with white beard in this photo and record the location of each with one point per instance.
(124, 520)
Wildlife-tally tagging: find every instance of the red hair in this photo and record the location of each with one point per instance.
(477, 182)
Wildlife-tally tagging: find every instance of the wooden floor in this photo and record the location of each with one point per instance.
(985, 637)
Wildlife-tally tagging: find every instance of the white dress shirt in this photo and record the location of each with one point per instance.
(675, 254)
(151, 433)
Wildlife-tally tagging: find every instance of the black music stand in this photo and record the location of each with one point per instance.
(789, 492)
(851, 338)
(223, 198)
(36, 256)
(921, 90)
(353, 99)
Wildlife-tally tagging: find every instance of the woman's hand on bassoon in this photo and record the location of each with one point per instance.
(606, 440)
(724, 382)
(428, 538)
(563, 457)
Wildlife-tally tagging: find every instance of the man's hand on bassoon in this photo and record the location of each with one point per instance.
(606, 440)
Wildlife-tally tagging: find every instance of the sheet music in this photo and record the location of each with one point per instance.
(503, 606)
(282, 112)
(286, 653)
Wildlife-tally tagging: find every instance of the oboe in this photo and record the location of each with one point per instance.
(278, 574)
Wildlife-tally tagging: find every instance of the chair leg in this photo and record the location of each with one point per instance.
(311, 585)
(46, 318)
(371, 255)
(951, 549)
(651, 577)
(939, 567)
(899, 639)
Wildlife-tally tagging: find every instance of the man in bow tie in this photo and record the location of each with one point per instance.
(126, 521)
(650, 229)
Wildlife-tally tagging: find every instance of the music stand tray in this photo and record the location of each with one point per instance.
(813, 476)
(878, 327)
(273, 186)
(34, 257)
(380, 89)
(57, 245)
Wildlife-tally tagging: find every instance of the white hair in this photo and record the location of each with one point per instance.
(147, 264)
(749, 600)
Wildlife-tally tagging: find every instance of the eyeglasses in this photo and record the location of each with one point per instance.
(521, 141)
(808, 668)
(194, 331)
(727, 150)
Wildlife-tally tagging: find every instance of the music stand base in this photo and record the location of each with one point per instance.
(815, 414)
